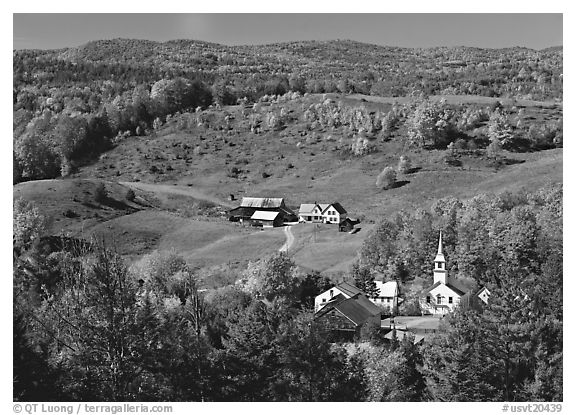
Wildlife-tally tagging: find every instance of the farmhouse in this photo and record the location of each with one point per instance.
(322, 213)
(347, 316)
(442, 297)
(387, 297)
(344, 289)
(249, 206)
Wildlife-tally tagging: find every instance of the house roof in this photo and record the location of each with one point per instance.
(400, 334)
(348, 289)
(387, 289)
(262, 202)
(306, 208)
(264, 215)
(357, 309)
(337, 207)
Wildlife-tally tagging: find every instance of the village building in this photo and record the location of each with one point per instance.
(388, 295)
(346, 225)
(345, 289)
(249, 206)
(442, 297)
(322, 213)
(345, 317)
(266, 219)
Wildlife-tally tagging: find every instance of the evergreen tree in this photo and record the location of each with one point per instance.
(364, 280)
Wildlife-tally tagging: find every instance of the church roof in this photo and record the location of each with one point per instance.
(450, 286)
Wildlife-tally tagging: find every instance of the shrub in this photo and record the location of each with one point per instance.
(404, 165)
(100, 193)
(130, 196)
(387, 178)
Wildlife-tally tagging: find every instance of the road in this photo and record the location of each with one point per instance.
(289, 239)
(178, 190)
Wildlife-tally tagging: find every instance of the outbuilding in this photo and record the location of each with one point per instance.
(266, 218)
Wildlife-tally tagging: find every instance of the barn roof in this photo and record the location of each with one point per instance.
(241, 211)
(357, 309)
(387, 289)
(348, 289)
(262, 202)
(264, 215)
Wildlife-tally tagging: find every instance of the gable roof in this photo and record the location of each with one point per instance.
(450, 286)
(337, 207)
(306, 208)
(348, 289)
(387, 289)
(357, 309)
(264, 215)
(262, 202)
(241, 211)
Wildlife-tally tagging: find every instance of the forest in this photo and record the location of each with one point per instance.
(94, 324)
(90, 327)
(71, 105)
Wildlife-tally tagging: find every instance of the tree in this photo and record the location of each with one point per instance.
(404, 165)
(37, 156)
(71, 133)
(499, 130)
(364, 280)
(460, 362)
(273, 278)
(28, 224)
(100, 193)
(387, 178)
(429, 123)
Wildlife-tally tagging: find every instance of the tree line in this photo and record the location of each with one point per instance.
(89, 327)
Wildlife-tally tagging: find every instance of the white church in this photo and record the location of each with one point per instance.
(442, 297)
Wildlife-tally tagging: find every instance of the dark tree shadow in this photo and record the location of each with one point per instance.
(399, 183)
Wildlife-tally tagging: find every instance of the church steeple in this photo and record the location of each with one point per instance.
(440, 273)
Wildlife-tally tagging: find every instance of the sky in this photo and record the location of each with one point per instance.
(59, 30)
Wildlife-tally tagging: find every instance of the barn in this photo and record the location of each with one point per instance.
(249, 206)
(345, 317)
(266, 219)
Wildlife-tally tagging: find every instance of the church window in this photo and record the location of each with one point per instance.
(428, 299)
(439, 299)
(449, 300)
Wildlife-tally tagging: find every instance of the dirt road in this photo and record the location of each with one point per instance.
(289, 240)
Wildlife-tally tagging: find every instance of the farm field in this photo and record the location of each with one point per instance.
(323, 248)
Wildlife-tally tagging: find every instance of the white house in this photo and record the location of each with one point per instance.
(343, 289)
(322, 212)
(483, 294)
(442, 297)
(388, 296)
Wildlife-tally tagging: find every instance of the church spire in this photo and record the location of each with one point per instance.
(440, 244)
(440, 273)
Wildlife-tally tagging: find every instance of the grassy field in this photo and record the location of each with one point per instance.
(183, 179)
(322, 247)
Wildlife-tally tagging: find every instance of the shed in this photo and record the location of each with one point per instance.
(346, 225)
(267, 219)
